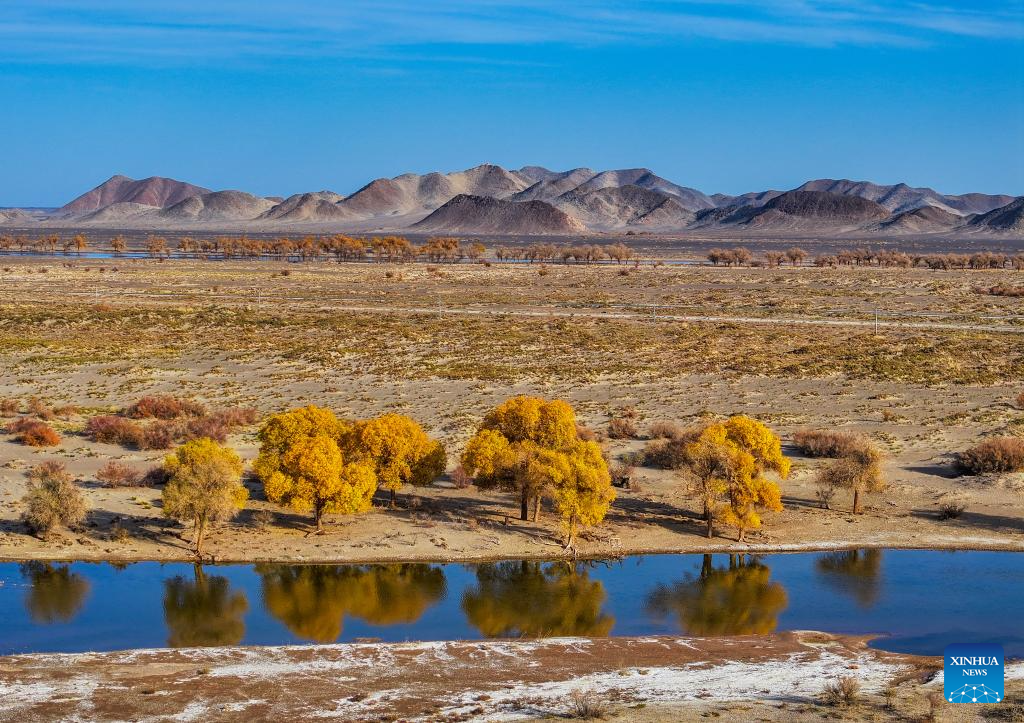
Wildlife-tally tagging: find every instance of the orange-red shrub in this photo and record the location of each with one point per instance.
(112, 429)
(38, 434)
(164, 406)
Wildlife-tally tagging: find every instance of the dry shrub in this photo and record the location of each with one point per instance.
(1020, 401)
(999, 454)
(665, 430)
(586, 433)
(159, 435)
(951, 510)
(34, 433)
(237, 416)
(209, 426)
(629, 412)
(622, 428)
(665, 454)
(118, 474)
(825, 492)
(670, 453)
(827, 443)
(9, 407)
(1006, 290)
(586, 705)
(460, 478)
(52, 499)
(112, 429)
(218, 425)
(65, 410)
(164, 406)
(622, 474)
(20, 424)
(50, 469)
(38, 408)
(843, 692)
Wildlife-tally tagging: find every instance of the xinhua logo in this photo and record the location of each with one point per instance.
(973, 673)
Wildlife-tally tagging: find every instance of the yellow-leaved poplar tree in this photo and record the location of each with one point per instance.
(729, 461)
(400, 451)
(530, 446)
(204, 485)
(307, 461)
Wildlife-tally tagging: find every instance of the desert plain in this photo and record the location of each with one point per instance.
(925, 362)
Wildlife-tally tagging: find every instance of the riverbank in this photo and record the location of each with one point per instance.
(777, 677)
(76, 551)
(439, 681)
(447, 524)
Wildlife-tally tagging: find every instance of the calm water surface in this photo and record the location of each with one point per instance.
(919, 600)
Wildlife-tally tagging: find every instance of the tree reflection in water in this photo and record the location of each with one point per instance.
(735, 600)
(534, 599)
(57, 593)
(203, 611)
(312, 600)
(855, 572)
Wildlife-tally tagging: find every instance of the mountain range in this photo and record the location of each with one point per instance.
(489, 199)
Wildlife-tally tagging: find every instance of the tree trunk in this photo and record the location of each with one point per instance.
(318, 518)
(742, 533)
(200, 529)
(524, 505)
(856, 502)
(536, 508)
(711, 524)
(392, 498)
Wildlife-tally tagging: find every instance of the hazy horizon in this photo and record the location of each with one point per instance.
(725, 96)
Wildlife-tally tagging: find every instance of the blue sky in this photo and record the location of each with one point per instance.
(729, 95)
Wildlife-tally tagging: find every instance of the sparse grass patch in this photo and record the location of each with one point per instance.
(844, 692)
(587, 705)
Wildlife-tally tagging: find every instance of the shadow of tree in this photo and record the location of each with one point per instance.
(974, 520)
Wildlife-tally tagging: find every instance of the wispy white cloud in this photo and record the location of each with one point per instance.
(68, 31)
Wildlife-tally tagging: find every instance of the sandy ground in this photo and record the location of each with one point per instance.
(245, 333)
(772, 678)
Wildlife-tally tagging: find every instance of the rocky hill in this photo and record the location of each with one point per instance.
(1009, 218)
(312, 207)
(615, 207)
(155, 192)
(218, 206)
(411, 194)
(482, 214)
(926, 219)
(901, 197)
(810, 210)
